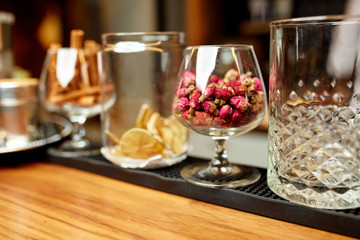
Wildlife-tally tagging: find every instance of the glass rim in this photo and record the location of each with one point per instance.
(157, 33)
(248, 46)
(316, 20)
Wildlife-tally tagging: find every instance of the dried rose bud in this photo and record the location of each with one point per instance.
(218, 121)
(257, 84)
(240, 90)
(202, 118)
(213, 78)
(225, 111)
(190, 75)
(232, 74)
(188, 79)
(196, 93)
(248, 82)
(220, 83)
(236, 115)
(181, 92)
(195, 101)
(209, 107)
(223, 93)
(238, 87)
(187, 115)
(234, 84)
(209, 91)
(181, 105)
(240, 103)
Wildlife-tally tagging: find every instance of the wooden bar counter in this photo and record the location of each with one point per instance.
(40, 200)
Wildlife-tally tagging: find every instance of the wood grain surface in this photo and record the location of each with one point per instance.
(47, 201)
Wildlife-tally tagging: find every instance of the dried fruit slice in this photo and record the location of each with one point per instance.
(155, 123)
(143, 116)
(140, 144)
(174, 134)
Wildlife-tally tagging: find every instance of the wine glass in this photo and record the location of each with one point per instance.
(70, 86)
(220, 94)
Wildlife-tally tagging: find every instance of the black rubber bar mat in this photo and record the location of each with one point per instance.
(256, 198)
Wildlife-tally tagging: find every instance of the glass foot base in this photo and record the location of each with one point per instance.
(231, 176)
(75, 149)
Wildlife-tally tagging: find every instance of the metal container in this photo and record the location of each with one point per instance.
(19, 116)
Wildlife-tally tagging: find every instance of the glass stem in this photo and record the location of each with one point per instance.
(220, 163)
(78, 127)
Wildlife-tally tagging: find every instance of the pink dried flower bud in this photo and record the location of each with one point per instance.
(196, 93)
(236, 115)
(232, 74)
(234, 84)
(188, 79)
(181, 105)
(220, 83)
(223, 93)
(240, 90)
(257, 84)
(239, 102)
(213, 78)
(221, 122)
(187, 115)
(202, 118)
(185, 92)
(248, 82)
(195, 101)
(190, 75)
(180, 92)
(209, 107)
(225, 111)
(209, 91)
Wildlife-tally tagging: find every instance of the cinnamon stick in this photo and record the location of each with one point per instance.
(76, 41)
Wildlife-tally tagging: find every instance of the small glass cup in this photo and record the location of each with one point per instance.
(315, 111)
(139, 130)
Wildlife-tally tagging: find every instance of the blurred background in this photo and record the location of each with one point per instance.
(41, 22)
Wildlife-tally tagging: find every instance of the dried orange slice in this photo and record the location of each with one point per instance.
(143, 116)
(140, 144)
(155, 123)
(174, 134)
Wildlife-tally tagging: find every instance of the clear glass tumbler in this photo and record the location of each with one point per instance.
(314, 100)
(139, 130)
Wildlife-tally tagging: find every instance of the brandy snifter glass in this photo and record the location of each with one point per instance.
(220, 94)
